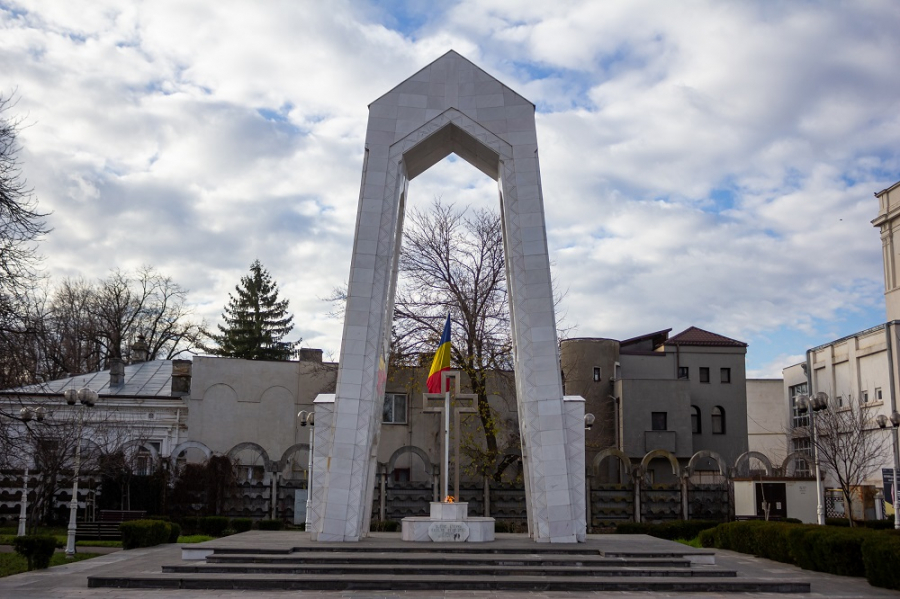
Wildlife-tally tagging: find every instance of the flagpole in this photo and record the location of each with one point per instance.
(446, 480)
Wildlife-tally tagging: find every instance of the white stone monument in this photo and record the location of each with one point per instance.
(449, 106)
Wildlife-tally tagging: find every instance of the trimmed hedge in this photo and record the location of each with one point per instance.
(36, 549)
(144, 533)
(881, 556)
(675, 529)
(241, 524)
(835, 550)
(174, 532)
(213, 526)
(191, 525)
(271, 524)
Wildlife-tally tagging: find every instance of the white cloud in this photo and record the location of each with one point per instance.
(703, 163)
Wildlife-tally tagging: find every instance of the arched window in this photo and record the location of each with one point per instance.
(695, 420)
(718, 420)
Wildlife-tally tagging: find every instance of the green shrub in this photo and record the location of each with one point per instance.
(828, 549)
(708, 537)
(174, 532)
(881, 556)
(241, 524)
(36, 549)
(271, 524)
(144, 533)
(190, 525)
(213, 525)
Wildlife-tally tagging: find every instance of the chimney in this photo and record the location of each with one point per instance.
(116, 372)
(139, 350)
(181, 378)
(308, 354)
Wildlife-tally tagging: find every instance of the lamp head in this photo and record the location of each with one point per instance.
(71, 396)
(895, 418)
(882, 420)
(588, 421)
(87, 397)
(302, 415)
(25, 414)
(802, 402)
(820, 401)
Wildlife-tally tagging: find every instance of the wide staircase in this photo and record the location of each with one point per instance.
(605, 563)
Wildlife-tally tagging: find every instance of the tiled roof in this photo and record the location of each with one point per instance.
(656, 337)
(695, 336)
(147, 379)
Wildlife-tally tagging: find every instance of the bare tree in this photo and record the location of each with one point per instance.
(21, 224)
(452, 263)
(21, 227)
(850, 445)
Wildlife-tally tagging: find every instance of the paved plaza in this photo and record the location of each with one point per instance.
(70, 581)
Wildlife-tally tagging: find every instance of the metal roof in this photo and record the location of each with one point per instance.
(144, 379)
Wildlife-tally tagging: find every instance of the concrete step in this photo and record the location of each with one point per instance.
(420, 559)
(697, 584)
(443, 570)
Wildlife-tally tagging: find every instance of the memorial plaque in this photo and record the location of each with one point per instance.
(448, 532)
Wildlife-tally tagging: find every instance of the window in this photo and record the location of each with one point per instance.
(864, 397)
(597, 374)
(718, 421)
(799, 420)
(840, 401)
(695, 420)
(804, 446)
(704, 374)
(658, 421)
(401, 475)
(878, 394)
(725, 375)
(394, 408)
(683, 372)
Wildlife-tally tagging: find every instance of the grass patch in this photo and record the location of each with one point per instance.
(187, 539)
(13, 563)
(695, 542)
(98, 543)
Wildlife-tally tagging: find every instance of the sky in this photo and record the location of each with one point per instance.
(706, 164)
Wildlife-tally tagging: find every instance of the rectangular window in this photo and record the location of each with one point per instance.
(683, 372)
(597, 374)
(704, 374)
(394, 408)
(840, 401)
(864, 397)
(799, 420)
(725, 375)
(878, 394)
(695, 420)
(658, 421)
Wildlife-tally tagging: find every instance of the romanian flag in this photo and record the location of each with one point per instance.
(441, 361)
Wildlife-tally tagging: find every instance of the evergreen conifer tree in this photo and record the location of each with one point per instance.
(256, 321)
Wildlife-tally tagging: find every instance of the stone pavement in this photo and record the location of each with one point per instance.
(70, 581)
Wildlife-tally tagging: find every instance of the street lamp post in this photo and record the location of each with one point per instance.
(882, 421)
(816, 403)
(87, 398)
(310, 419)
(26, 414)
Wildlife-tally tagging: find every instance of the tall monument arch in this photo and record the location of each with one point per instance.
(450, 106)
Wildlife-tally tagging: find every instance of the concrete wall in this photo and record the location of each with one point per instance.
(731, 397)
(235, 401)
(767, 418)
(640, 398)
